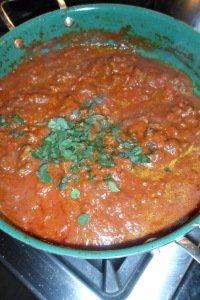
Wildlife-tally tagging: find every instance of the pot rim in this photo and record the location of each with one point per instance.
(98, 254)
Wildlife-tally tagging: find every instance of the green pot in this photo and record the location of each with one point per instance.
(173, 42)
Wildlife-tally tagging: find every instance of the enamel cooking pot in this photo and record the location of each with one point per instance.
(173, 42)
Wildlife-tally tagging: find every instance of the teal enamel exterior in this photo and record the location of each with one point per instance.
(173, 42)
(96, 254)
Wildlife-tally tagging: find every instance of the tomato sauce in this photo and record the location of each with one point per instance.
(98, 147)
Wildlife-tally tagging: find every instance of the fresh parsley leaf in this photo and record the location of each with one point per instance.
(86, 104)
(83, 219)
(105, 160)
(74, 169)
(3, 122)
(133, 153)
(150, 131)
(96, 101)
(115, 130)
(59, 124)
(134, 139)
(93, 118)
(122, 155)
(112, 185)
(75, 114)
(43, 174)
(105, 125)
(75, 178)
(88, 168)
(17, 119)
(151, 145)
(75, 193)
(16, 134)
(41, 123)
(92, 177)
(64, 180)
(91, 105)
(143, 158)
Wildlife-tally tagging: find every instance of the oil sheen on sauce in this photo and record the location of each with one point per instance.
(98, 147)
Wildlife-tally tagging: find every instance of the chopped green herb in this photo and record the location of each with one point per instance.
(150, 131)
(105, 125)
(82, 141)
(64, 182)
(75, 178)
(88, 168)
(92, 177)
(86, 104)
(83, 219)
(106, 160)
(16, 134)
(18, 119)
(168, 170)
(43, 174)
(74, 169)
(96, 101)
(134, 153)
(75, 114)
(122, 155)
(115, 131)
(93, 118)
(3, 122)
(143, 158)
(112, 185)
(59, 123)
(151, 145)
(134, 139)
(41, 123)
(75, 193)
(91, 105)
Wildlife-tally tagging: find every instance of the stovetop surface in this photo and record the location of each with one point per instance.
(164, 274)
(168, 273)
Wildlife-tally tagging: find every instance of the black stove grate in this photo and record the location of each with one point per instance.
(51, 277)
(46, 274)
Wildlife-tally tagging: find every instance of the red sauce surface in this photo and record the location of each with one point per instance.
(150, 100)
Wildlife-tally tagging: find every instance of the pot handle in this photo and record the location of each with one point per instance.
(192, 249)
(8, 22)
